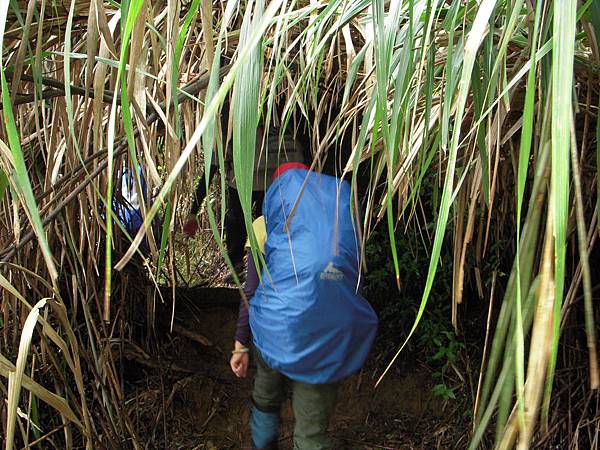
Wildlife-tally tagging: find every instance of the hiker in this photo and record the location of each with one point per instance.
(127, 206)
(265, 162)
(307, 323)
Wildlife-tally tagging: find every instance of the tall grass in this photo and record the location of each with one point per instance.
(479, 93)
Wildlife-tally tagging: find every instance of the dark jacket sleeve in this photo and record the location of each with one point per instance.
(242, 332)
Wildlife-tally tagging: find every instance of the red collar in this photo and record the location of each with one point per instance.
(289, 166)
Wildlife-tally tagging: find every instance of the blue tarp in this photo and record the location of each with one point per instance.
(307, 318)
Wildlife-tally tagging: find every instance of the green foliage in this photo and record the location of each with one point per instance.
(443, 391)
(434, 338)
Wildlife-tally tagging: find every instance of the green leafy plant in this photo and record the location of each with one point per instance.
(435, 338)
(444, 342)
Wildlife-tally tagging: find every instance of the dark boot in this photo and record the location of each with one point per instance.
(265, 429)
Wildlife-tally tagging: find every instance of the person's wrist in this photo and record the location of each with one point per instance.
(237, 345)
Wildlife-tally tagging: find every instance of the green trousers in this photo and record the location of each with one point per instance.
(313, 405)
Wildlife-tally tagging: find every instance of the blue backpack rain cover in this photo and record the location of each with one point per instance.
(129, 208)
(307, 318)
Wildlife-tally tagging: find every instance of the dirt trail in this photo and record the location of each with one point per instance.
(205, 407)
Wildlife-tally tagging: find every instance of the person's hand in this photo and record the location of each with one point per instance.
(191, 225)
(239, 361)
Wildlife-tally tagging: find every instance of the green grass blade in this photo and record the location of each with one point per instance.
(478, 105)
(210, 137)
(523, 166)
(131, 15)
(243, 54)
(181, 37)
(472, 44)
(385, 35)
(20, 175)
(3, 184)
(246, 115)
(562, 109)
(502, 337)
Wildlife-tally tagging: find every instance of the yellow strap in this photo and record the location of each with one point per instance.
(260, 231)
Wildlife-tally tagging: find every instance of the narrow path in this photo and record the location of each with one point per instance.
(189, 399)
